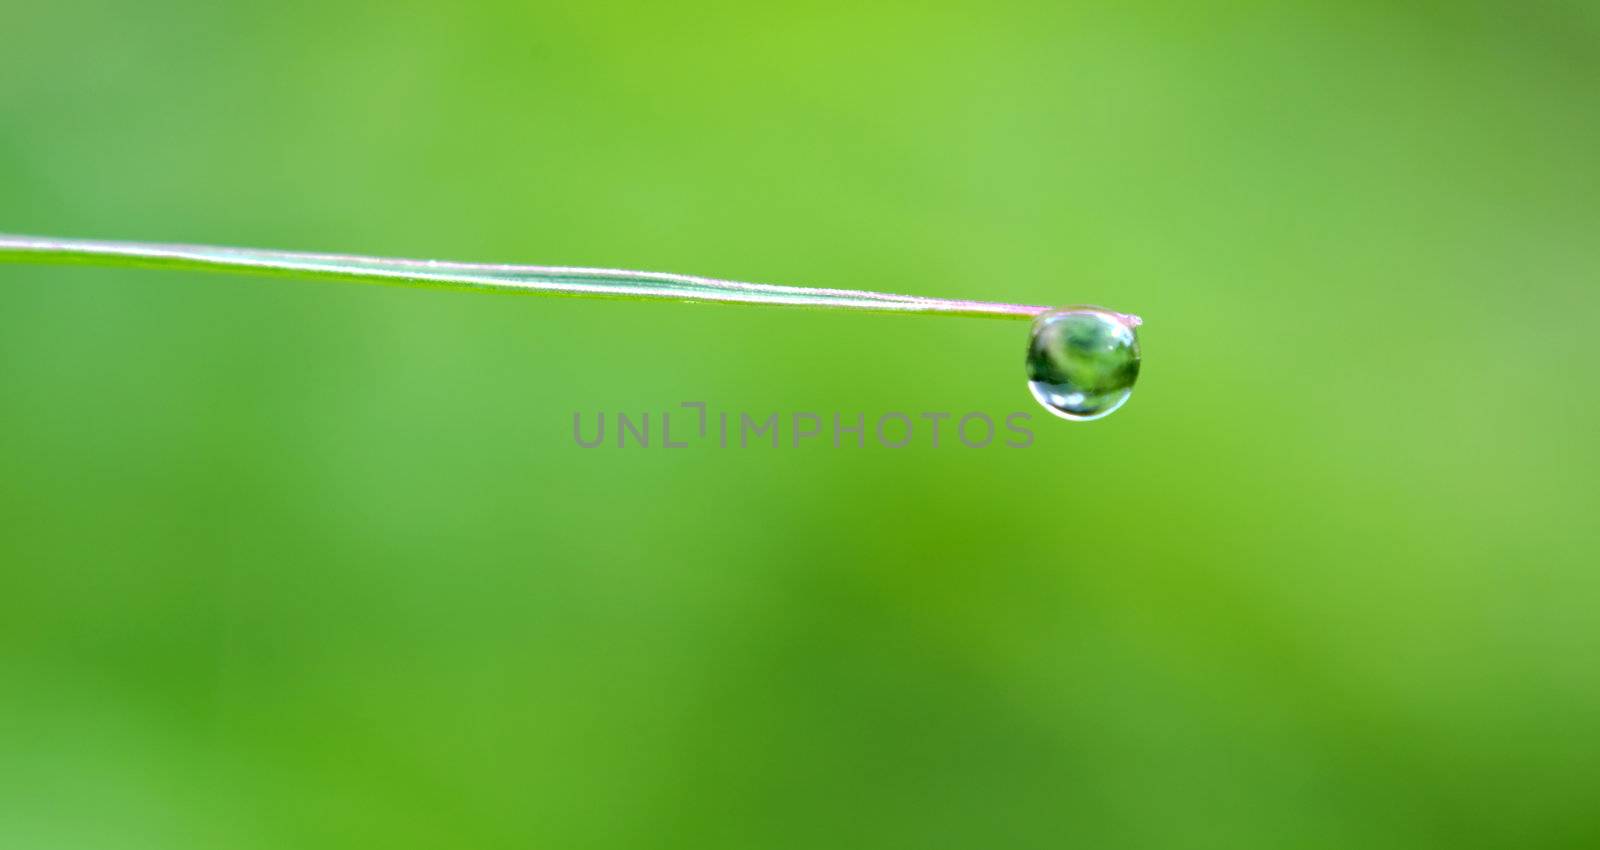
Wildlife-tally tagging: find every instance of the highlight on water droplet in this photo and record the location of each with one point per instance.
(1083, 361)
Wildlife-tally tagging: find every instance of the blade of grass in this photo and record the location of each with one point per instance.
(483, 277)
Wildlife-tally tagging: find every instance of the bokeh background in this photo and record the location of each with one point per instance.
(300, 564)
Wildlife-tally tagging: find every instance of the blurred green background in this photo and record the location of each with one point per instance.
(299, 564)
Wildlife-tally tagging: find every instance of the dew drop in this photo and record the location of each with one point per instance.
(1082, 361)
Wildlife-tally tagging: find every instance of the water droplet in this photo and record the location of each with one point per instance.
(1082, 361)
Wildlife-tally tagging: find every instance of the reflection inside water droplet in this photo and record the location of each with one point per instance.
(1083, 361)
